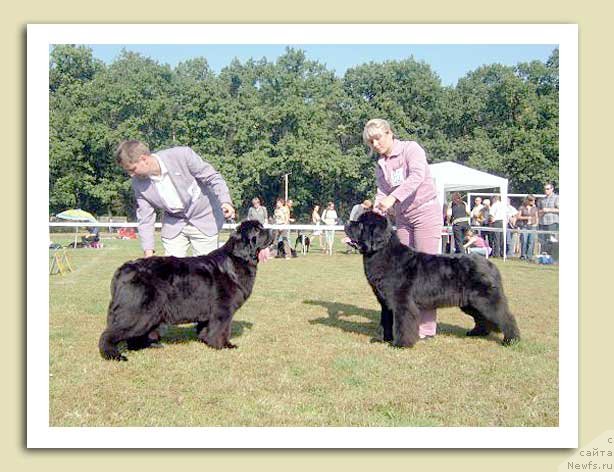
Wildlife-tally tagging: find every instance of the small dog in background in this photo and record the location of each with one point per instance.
(304, 241)
(283, 250)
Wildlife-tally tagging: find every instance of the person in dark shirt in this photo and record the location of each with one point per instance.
(458, 217)
(92, 236)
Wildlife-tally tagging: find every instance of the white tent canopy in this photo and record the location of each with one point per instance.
(453, 177)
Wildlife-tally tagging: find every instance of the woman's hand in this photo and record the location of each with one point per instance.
(228, 211)
(386, 203)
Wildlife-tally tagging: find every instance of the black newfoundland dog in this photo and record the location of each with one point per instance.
(405, 281)
(205, 289)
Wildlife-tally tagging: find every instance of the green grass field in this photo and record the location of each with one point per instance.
(307, 356)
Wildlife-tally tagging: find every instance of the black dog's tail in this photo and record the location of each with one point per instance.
(109, 340)
(508, 325)
(504, 320)
(511, 333)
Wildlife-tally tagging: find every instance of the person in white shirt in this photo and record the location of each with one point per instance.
(512, 238)
(329, 217)
(497, 216)
(192, 195)
(316, 219)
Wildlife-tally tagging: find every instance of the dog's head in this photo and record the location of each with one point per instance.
(248, 239)
(370, 233)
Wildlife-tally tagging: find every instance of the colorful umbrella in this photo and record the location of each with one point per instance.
(76, 214)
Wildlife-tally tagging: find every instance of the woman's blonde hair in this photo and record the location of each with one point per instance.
(373, 126)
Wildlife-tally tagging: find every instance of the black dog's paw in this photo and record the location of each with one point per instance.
(478, 332)
(217, 344)
(511, 341)
(397, 346)
(404, 343)
(115, 357)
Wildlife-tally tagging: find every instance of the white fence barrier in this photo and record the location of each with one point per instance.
(292, 228)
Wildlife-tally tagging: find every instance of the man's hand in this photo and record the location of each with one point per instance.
(228, 211)
(386, 203)
(148, 253)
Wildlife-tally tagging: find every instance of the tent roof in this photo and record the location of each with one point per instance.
(456, 177)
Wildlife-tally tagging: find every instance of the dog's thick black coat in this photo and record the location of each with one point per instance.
(405, 281)
(206, 289)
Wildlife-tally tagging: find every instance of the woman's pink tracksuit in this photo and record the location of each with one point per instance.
(405, 175)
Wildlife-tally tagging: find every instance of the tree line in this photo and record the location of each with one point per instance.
(257, 120)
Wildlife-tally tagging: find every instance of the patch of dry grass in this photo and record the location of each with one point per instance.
(306, 356)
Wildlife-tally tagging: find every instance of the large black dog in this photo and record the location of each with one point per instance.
(405, 281)
(205, 289)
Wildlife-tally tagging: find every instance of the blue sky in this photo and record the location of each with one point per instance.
(450, 62)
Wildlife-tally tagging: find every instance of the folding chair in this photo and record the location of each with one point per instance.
(59, 262)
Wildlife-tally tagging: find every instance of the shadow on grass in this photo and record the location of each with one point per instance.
(338, 311)
(179, 334)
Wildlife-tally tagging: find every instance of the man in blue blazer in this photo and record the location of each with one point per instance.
(193, 196)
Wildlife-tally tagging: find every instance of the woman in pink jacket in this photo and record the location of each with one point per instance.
(405, 187)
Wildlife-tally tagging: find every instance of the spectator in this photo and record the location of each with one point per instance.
(257, 211)
(486, 221)
(405, 187)
(458, 217)
(528, 219)
(316, 219)
(475, 244)
(512, 213)
(92, 236)
(329, 217)
(548, 218)
(485, 212)
(282, 217)
(359, 209)
(497, 215)
(290, 207)
(476, 212)
(192, 194)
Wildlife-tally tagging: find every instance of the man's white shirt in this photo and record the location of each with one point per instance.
(167, 189)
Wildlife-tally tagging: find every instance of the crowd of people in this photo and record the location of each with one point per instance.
(535, 223)
(283, 215)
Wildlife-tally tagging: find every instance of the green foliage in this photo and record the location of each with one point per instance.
(258, 120)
